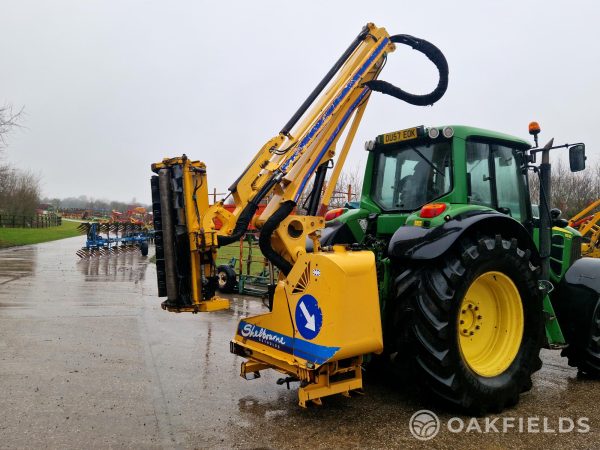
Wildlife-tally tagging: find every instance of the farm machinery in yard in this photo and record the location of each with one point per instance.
(587, 222)
(126, 237)
(442, 270)
(254, 273)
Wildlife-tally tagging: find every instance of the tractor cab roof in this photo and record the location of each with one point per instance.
(464, 132)
(431, 134)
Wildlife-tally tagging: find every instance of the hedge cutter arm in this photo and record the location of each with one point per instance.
(324, 308)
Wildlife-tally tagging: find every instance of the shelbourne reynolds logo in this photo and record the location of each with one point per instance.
(260, 333)
(425, 425)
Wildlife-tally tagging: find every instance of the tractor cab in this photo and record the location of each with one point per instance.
(448, 165)
(437, 177)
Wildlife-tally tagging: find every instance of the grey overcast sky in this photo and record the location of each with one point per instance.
(111, 86)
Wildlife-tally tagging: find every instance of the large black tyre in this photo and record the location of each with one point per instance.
(144, 248)
(437, 300)
(581, 326)
(226, 278)
(583, 351)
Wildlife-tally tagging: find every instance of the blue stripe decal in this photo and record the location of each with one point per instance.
(335, 103)
(329, 142)
(318, 354)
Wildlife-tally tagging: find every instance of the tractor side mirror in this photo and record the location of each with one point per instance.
(577, 157)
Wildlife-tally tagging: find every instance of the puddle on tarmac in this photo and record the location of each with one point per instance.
(124, 267)
(17, 262)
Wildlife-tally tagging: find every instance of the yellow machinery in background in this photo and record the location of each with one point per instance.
(324, 308)
(587, 222)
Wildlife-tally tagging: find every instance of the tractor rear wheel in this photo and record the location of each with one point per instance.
(477, 324)
(583, 351)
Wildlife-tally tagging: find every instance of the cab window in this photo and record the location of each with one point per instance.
(479, 184)
(410, 176)
(494, 177)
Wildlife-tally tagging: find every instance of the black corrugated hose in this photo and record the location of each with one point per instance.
(435, 55)
(264, 241)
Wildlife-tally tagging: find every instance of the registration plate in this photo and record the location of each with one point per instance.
(402, 135)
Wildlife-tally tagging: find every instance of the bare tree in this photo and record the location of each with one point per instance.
(85, 202)
(571, 192)
(348, 187)
(19, 192)
(8, 120)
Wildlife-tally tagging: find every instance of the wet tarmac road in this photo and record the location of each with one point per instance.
(88, 359)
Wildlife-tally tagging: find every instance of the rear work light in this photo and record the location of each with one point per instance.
(432, 210)
(334, 213)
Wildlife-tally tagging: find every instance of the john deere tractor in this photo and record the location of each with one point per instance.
(467, 276)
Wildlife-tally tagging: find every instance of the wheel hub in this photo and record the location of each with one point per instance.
(471, 319)
(490, 324)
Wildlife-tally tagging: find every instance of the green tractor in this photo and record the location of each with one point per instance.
(472, 285)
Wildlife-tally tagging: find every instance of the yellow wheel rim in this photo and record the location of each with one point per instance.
(490, 324)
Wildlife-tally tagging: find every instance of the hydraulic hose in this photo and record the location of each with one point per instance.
(240, 226)
(243, 222)
(435, 55)
(315, 195)
(264, 241)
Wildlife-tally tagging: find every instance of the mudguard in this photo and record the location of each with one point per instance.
(584, 272)
(419, 243)
(576, 297)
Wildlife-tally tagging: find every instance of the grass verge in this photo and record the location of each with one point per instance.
(10, 237)
(233, 251)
